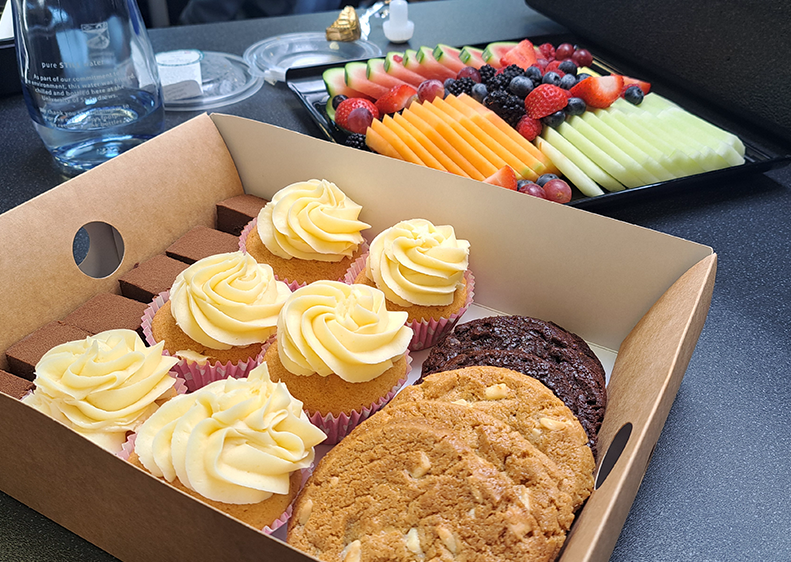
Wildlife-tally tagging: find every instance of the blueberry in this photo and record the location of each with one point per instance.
(522, 185)
(544, 179)
(479, 92)
(633, 94)
(568, 81)
(551, 78)
(336, 101)
(448, 83)
(568, 67)
(554, 119)
(534, 73)
(576, 106)
(582, 76)
(520, 86)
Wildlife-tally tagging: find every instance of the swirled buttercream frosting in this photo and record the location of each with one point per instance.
(227, 300)
(311, 220)
(417, 263)
(102, 386)
(234, 441)
(330, 327)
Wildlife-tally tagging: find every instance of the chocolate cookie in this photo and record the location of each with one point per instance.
(543, 350)
(528, 407)
(406, 490)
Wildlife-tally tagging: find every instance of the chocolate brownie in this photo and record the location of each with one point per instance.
(14, 386)
(151, 277)
(108, 311)
(26, 353)
(202, 242)
(543, 350)
(234, 213)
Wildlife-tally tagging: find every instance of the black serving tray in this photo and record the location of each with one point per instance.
(308, 85)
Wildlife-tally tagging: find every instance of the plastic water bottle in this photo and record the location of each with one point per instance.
(89, 78)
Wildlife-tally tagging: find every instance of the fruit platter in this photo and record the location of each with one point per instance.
(545, 119)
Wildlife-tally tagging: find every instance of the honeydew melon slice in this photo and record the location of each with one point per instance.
(522, 169)
(356, 76)
(441, 143)
(378, 144)
(432, 148)
(426, 59)
(629, 148)
(634, 167)
(700, 138)
(394, 67)
(471, 139)
(481, 164)
(421, 152)
(497, 121)
(472, 56)
(599, 156)
(375, 72)
(448, 56)
(580, 179)
(400, 146)
(585, 164)
(526, 158)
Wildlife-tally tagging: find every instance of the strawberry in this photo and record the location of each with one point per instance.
(528, 127)
(350, 104)
(504, 177)
(644, 86)
(396, 99)
(544, 100)
(599, 91)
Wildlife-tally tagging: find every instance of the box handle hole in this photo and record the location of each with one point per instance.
(613, 453)
(98, 249)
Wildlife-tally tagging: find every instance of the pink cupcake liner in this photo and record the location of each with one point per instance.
(426, 333)
(293, 285)
(198, 375)
(336, 428)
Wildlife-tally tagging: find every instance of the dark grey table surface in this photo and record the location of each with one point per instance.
(717, 488)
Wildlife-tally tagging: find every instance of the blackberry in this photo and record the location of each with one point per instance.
(508, 106)
(503, 79)
(487, 72)
(460, 86)
(356, 140)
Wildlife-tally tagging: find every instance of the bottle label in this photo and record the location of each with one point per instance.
(98, 35)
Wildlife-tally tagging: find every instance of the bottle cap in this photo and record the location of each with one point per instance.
(398, 28)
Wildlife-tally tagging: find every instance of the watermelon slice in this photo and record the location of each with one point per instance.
(448, 56)
(394, 66)
(356, 76)
(335, 82)
(425, 57)
(410, 62)
(523, 55)
(376, 74)
(495, 51)
(471, 56)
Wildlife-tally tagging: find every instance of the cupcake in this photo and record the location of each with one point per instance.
(423, 270)
(341, 352)
(103, 386)
(218, 317)
(309, 231)
(239, 445)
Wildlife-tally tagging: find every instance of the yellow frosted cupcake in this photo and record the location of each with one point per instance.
(218, 316)
(309, 231)
(236, 444)
(423, 270)
(341, 352)
(103, 386)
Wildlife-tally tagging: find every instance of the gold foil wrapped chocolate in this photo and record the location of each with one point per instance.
(346, 27)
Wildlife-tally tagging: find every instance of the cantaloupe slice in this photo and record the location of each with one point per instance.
(378, 144)
(507, 129)
(521, 168)
(400, 146)
(439, 141)
(421, 152)
(435, 151)
(477, 145)
(481, 164)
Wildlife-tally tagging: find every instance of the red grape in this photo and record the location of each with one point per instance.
(582, 57)
(534, 189)
(469, 72)
(564, 51)
(359, 120)
(430, 89)
(557, 190)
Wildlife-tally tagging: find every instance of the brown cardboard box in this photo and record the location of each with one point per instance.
(639, 297)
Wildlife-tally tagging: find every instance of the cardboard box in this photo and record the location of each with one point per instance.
(638, 296)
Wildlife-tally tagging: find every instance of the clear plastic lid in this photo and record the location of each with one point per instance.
(271, 57)
(195, 80)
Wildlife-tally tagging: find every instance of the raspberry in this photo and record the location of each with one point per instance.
(548, 50)
(529, 128)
